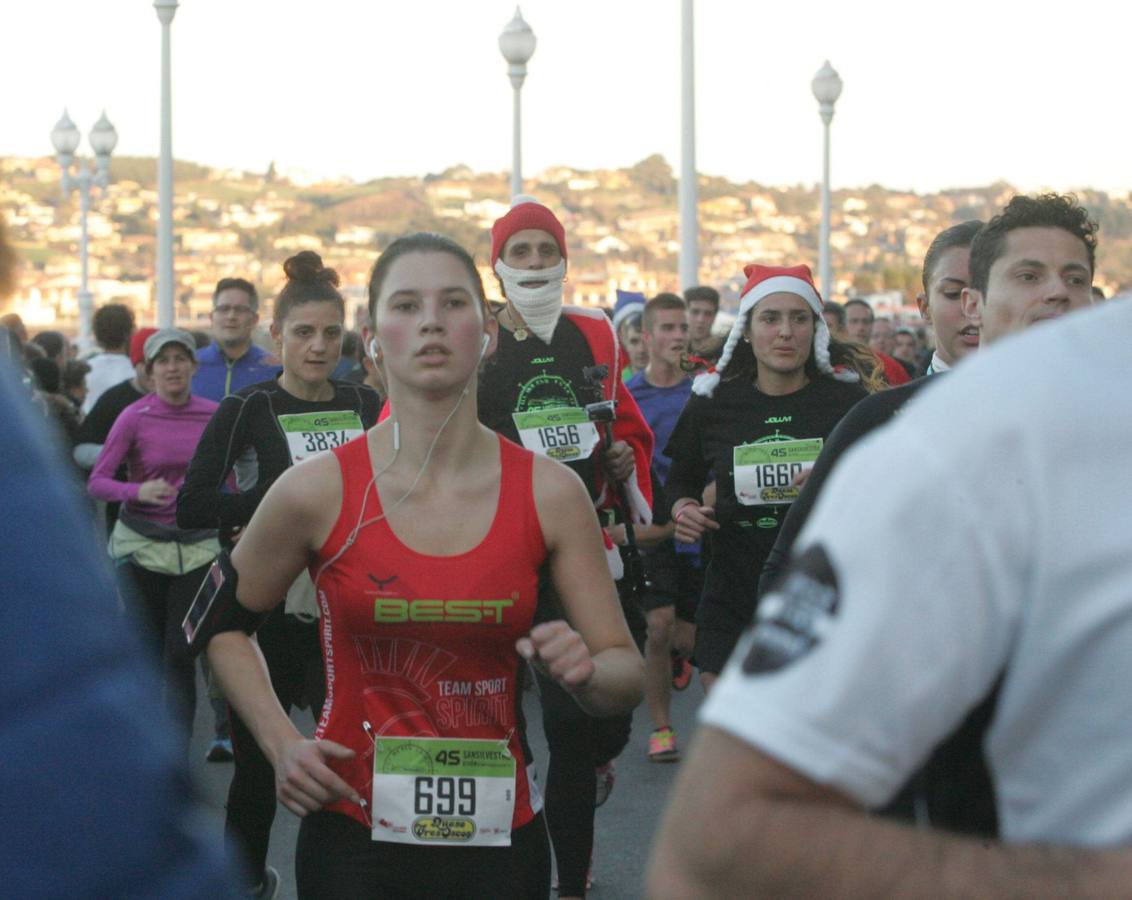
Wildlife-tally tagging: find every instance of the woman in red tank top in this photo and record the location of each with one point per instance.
(425, 538)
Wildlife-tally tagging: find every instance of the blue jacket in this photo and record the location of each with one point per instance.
(218, 377)
(97, 797)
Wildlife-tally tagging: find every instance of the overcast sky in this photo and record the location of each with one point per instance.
(936, 94)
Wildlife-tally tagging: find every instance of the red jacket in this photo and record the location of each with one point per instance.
(894, 373)
(629, 425)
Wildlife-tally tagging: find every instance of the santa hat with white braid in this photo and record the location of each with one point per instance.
(762, 281)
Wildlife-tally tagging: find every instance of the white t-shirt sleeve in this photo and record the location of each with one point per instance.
(896, 618)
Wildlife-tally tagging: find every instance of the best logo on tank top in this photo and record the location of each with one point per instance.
(395, 610)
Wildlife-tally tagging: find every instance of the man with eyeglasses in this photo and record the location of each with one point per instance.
(232, 361)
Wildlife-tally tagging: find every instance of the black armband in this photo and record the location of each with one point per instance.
(215, 608)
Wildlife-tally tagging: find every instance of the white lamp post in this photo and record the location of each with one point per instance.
(517, 44)
(689, 223)
(166, 9)
(65, 138)
(827, 88)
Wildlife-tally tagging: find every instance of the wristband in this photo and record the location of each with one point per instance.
(681, 510)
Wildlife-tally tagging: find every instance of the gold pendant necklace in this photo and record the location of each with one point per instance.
(519, 331)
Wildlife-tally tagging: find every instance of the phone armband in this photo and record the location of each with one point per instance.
(215, 608)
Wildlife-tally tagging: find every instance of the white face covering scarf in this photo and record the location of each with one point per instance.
(540, 307)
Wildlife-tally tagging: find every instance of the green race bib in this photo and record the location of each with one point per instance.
(564, 433)
(765, 470)
(443, 791)
(311, 433)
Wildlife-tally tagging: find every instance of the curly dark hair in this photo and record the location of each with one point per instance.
(1044, 211)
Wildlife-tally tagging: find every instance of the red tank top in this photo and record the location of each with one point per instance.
(424, 646)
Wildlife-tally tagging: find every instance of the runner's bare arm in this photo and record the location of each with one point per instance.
(603, 670)
(741, 824)
(293, 520)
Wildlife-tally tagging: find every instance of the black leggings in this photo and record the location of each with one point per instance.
(336, 859)
(293, 654)
(162, 601)
(578, 743)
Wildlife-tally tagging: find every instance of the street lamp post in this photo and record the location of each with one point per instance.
(689, 224)
(827, 88)
(517, 44)
(166, 9)
(65, 138)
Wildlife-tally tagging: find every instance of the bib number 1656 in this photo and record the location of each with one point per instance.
(444, 796)
(559, 436)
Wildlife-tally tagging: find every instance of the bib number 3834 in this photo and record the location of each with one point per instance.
(311, 433)
(765, 472)
(443, 791)
(564, 434)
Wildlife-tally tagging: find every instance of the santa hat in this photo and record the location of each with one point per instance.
(762, 281)
(629, 303)
(526, 212)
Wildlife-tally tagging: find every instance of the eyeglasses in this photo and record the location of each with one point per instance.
(227, 309)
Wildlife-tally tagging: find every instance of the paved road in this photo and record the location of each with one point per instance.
(624, 826)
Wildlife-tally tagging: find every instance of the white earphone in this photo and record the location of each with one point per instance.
(486, 343)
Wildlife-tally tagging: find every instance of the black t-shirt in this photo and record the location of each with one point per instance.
(250, 420)
(529, 375)
(872, 412)
(704, 441)
(95, 428)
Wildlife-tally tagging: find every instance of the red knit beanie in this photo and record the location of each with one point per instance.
(526, 212)
(137, 344)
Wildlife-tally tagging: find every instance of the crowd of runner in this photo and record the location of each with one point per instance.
(403, 528)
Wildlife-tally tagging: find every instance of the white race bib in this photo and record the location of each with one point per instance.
(311, 433)
(443, 791)
(565, 433)
(765, 471)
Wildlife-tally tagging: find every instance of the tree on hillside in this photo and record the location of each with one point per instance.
(654, 174)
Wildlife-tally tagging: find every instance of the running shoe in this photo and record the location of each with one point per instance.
(268, 889)
(681, 672)
(662, 746)
(605, 775)
(220, 750)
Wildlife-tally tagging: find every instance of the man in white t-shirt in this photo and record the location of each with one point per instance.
(847, 682)
(113, 326)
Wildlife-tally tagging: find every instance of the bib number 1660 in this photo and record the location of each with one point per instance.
(444, 796)
(776, 475)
